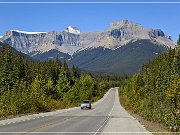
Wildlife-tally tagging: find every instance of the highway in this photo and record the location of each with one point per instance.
(107, 116)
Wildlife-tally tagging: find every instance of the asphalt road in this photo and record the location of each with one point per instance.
(107, 116)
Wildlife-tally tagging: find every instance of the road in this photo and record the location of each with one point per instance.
(107, 116)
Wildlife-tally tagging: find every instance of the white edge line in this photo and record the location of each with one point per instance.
(107, 117)
(88, 2)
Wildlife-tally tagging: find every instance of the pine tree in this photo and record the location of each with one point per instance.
(176, 62)
(49, 87)
(19, 67)
(7, 74)
(37, 94)
(178, 42)
(173, 94)
(63, 84)
(21, 93)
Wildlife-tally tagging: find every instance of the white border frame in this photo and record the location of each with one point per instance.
(88, 2)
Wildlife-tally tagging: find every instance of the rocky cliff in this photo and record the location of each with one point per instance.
(123, 47)
(72, 40)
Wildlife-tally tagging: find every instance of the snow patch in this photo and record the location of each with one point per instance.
(1, 36)
(73, 30)
(155, 53)
(25, 32)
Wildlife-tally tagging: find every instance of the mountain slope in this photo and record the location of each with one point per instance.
(72, 40)
(127, 59)
(123, 47)
(50, 55)
(15, 51)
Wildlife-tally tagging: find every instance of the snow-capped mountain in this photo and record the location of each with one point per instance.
(73, 30)
(29, 42)
(72, 40)
(71, 43)
(25, 32)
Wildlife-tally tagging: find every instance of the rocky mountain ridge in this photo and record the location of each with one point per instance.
(122, 48)
(71, 40)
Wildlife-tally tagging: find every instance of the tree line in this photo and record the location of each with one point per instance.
(154, 92)
(28, 86)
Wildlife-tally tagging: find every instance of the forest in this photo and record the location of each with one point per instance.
(154, 92)
(29, 86)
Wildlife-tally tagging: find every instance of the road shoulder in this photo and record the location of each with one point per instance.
(122, 122)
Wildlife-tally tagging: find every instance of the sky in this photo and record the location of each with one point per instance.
(88, 17)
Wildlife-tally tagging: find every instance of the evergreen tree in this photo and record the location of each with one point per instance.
(21, 95)
(154, 92)
(173, 94)
(178, 42)
(19, 67)
(63, 84)
(7, 74)
(37, 94)
(176, 62)
(49, 88)
(33, 86)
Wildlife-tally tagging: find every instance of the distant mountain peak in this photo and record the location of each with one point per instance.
(71, 41)
(121, 23)
(72, 29)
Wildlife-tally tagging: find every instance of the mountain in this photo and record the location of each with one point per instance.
(126, 59)
(2, 44)
(28, 42)
(15, 51)
(50, 55)
(73, 30)
(93, 50)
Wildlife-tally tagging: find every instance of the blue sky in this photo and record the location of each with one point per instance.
(88, 17)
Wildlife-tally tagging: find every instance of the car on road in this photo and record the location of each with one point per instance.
(85, 104)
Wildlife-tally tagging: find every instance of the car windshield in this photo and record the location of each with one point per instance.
(85, 101)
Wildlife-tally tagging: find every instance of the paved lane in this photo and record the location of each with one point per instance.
(121, 122)
(106, 115)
